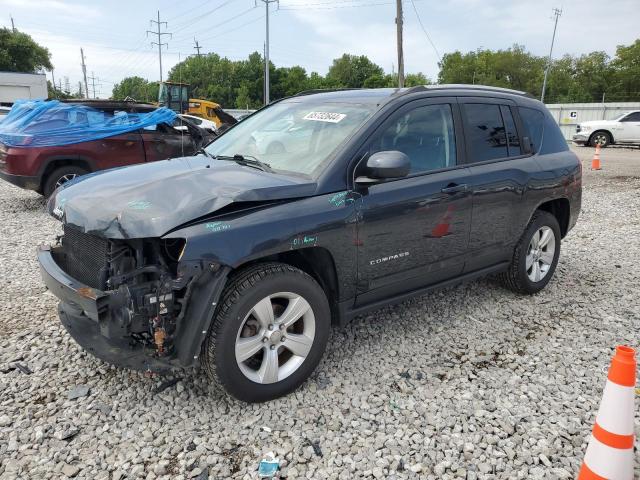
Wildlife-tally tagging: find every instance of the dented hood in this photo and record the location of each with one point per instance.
(148, 200)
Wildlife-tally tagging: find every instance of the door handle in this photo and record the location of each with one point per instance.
(454, 188)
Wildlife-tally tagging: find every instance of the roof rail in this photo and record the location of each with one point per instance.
(484, 88)
(324, 90)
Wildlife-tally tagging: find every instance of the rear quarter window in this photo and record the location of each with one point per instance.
(532, 121)
(543, 131)
(552, 139)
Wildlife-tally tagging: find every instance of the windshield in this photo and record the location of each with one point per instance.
(621, 116)
(293, 136)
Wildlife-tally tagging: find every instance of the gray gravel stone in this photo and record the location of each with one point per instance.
(468, 381)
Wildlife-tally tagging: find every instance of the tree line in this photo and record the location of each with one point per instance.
(591, 77)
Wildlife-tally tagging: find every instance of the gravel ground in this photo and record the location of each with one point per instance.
(469, 382)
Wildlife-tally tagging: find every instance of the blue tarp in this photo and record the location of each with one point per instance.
(38, 123)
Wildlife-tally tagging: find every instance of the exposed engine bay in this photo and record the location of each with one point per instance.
(148, 291)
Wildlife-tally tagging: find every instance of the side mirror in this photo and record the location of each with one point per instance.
(527, 147)
(386, 165)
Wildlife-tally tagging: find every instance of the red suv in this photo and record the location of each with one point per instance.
(43, 169)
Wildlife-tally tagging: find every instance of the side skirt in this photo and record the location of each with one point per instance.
(348, 313)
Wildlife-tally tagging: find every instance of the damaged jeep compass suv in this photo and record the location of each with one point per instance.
(313, 210)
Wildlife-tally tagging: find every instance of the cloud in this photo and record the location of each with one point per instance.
(47, 7)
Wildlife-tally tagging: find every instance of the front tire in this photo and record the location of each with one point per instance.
(601, 138)
(536, 255)
(269, 332)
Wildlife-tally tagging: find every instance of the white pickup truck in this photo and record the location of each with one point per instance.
(623, 129)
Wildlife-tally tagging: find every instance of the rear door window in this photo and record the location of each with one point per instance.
(485, 132)
(513, 141)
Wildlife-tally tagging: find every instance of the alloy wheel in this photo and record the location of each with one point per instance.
(540, 253)
(600, 139)
(275, 337)
(65, 178)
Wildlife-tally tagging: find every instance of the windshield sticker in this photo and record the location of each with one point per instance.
(217, 226)
(138, 204)
(340, 199)
(325, 117)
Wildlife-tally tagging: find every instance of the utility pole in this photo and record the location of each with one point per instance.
(159, 42)
(399, 40)
(197, 47)
(13, 25)
(93, 82)
(266, 50)
(84, 74)
(53, 79)
(556, 12)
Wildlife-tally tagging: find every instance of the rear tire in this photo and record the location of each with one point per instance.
(536, 255)
(268, 334)
(61, 176)
(601, 138)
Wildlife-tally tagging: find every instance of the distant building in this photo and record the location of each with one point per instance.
(22, 86)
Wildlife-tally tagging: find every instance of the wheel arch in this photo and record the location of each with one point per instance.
(608, 132)
(561, 209)
(54, 163)
(317, 262)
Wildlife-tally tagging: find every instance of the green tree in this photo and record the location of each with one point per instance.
(137, 88)
(351, 71)
(416, 79)
(19, 53)
(625, 73)
(56, 93)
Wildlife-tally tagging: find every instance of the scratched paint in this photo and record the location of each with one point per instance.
(139, 204)
(304, 241)
(217, 226)
(340, 199)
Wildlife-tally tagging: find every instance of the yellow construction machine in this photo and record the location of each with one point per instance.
(176, 96)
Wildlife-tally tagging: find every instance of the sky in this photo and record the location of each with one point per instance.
(310, 33)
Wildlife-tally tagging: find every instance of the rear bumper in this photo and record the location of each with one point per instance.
(86, 313)
(22, 181)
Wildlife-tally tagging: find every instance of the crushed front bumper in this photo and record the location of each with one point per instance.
(85, 313)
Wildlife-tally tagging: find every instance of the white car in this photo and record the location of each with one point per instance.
(623, 129)
(4, 111)
(201, 122)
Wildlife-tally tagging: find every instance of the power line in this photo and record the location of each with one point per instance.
(189, 22)
(425, 31)
(93, 79)
(556, 12)
(159, 33)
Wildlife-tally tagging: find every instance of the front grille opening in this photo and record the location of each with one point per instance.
(86, 257)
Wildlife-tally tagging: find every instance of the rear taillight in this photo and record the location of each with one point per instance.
(3, 156)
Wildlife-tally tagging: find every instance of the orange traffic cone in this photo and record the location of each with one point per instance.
(610, 452)
(595, 163)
